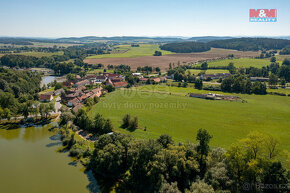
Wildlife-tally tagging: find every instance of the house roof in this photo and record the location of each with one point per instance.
(83, 82)
(84, 96)
(45, 96)
(143, 79)
(77, 107)
(91, 76)
(112, 75)
(120, 84)
(74, 101)
(101, 77)
(68, 83)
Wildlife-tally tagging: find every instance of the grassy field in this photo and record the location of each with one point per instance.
(181, 116)
(126, 51)
(101, 70)
(37, 54)
(209, 71)
(282, 57)
(280, 90)
(40, 54)
(241, 62)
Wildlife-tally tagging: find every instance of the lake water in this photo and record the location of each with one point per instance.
(30, 163)
(47, 79)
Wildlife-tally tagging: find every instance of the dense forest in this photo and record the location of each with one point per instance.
(186, 47)
(250, 44)
(126, 164)
(17, 87)
(242, 44)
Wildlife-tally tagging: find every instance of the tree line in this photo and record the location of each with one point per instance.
(161, 165)
(186, 47)
(19, 95)
(242, 44)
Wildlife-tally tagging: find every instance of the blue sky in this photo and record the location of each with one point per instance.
(72, 18)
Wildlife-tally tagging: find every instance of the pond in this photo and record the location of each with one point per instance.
(47, 79)
(30, 163)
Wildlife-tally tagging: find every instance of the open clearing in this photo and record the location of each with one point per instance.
(181, 116)
(126, 51)
(163, 61)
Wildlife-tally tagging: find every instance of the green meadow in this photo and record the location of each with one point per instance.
(126, 51)
(241, 62)
(40, 54)
(162, 109)
(208, 71)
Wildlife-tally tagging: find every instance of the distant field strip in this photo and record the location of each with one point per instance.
(126, 51)
(241, 62)
(209, 71)
(37, 54)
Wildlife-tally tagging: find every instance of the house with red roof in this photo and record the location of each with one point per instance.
(120, 84)
(73, 102)
(47, 97)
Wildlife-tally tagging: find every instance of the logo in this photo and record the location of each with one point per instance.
(263, 15)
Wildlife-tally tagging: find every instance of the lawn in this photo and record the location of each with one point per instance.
(126, 51)
(181, 116)
(280, 90)
(241, 62)
(37, 54)
(209, 71)
(46, 91)
(101, 70)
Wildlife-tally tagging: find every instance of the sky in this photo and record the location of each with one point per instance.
(188, 18)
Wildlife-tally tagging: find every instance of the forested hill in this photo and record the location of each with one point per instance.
(17, 87)
(241, 44)
(186, 47)
(250, 44)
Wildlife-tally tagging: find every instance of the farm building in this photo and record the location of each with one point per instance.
(45, 97)
(214, 96)
(262, 79)
(68, 84)
(214, 76)
(82, 83)
(120, 84)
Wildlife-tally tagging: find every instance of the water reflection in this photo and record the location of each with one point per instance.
(30, 163)
(12, 134)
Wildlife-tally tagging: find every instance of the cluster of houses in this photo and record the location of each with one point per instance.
(78, 93)
(153, 79)
(115, 80)
(75, 97)
(211, 96)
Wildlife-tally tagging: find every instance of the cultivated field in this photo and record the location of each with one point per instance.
(181, 116)
(126, 51)
(163, 61)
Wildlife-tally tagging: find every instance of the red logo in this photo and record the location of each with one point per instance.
(263, 13)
